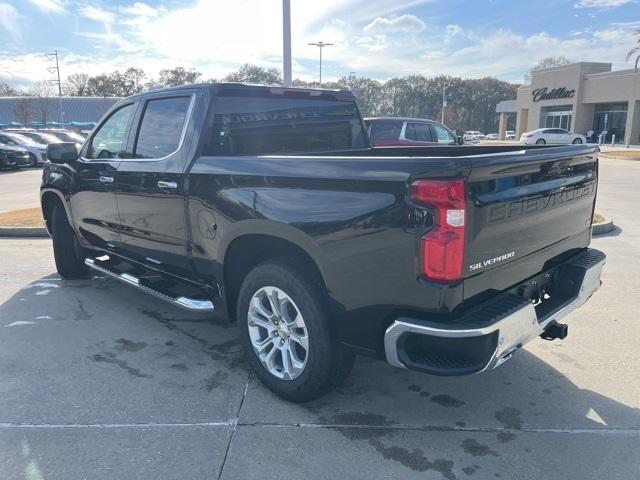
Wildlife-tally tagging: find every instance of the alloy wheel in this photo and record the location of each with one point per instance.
(278, 333)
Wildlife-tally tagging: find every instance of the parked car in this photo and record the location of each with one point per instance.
(13, 157)
(37, 151)
(395, 131)
(492, 136)
(66, 136)
(551, 136)
(267, 205)
(511, 135)
(473, 136)
(37, 136)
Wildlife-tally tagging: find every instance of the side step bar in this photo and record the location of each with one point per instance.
(192, 304)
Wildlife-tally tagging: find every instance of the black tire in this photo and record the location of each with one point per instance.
(328, 362)
(540, 141)
(67, 253)
(577, 141)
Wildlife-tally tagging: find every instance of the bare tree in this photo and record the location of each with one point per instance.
(23, 110)
(547, 62)
(77, 85)
(41, 91)
(177, 76)
(255, 74)
(635, 51)
(7, 91)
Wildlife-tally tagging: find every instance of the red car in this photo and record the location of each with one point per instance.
(394, 131)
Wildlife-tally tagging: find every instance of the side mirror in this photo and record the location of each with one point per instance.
(62, 152)
(460, 140)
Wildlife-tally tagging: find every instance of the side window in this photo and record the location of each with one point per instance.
(110, 139)
(386, 130)
(443, 135)
(418, 132)
(161, 127)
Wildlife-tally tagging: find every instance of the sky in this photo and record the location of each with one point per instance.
(375, 38)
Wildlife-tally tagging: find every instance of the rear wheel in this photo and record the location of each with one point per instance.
(34, 160)
(540, 141)
(287, 335)
(67, 253)
(577, 141)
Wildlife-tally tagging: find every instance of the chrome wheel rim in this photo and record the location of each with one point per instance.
(278, 333)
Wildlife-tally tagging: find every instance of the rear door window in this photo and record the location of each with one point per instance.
(161, 127)
(418, 132)
(273, 123)
(385, 130)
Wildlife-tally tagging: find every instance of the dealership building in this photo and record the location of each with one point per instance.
(580, 97)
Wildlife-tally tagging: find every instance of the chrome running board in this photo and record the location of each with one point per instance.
(192, 304)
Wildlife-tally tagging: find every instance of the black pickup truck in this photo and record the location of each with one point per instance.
(268, 206)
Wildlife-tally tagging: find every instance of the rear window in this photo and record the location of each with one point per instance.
(260, 125)
(385, 130)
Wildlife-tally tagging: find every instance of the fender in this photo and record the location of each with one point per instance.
(63, 199)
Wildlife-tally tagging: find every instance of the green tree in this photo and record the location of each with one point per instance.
(172, 77)
(254, 74)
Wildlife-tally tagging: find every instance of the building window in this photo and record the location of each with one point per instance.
(611, 119)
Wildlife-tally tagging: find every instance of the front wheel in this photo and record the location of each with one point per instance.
(577, 141)
(540, 141)
(66, 250)
(287, 335)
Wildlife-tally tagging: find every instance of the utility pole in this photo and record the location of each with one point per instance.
(444, 100)
(286, 42)
(57, 81)
(321, 45)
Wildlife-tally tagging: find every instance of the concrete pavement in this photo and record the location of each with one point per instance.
(20, 189)
(99, 381)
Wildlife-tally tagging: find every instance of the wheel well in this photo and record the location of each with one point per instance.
(247, 251)
(49, 200)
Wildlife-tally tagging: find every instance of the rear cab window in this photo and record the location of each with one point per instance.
(161, 128)
(261, 123)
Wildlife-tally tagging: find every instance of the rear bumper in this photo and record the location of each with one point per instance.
(490, 334)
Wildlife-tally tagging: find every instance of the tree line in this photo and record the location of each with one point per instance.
(470, 103)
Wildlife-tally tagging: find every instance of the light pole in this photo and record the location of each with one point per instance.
(56, 69)
(286, 42)
(321, 45)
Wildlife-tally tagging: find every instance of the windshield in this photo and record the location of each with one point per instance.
(18, 137)
(68, 136)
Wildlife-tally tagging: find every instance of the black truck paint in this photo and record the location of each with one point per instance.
(205, 215)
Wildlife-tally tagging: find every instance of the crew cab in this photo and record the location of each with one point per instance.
(267, 206)
(396, 131)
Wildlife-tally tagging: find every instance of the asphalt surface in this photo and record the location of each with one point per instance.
(98, 381)
(19, 188)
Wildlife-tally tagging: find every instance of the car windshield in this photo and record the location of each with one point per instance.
(24, 140)
(47, 137)
(68, 136)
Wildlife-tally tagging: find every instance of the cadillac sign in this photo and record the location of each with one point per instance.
(555, 94)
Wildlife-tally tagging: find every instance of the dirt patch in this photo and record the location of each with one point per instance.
(597, 218)
(25, 217)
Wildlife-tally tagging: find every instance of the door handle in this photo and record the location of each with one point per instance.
(106, 179)
(164, 184)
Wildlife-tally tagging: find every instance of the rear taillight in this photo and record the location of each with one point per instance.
(442, 249)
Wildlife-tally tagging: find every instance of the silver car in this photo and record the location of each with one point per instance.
(37, 151)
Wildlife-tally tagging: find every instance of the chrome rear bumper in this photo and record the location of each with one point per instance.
(496, 341)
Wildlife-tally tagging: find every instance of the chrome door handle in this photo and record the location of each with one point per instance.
(105, 179)
(163, 184)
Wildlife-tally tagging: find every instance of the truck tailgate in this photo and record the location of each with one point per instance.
(526, 211)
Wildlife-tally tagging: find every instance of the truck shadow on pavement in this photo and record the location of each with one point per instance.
(121, 357)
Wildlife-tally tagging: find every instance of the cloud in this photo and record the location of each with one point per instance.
(51, 6)
(602, 4)
(403, 24)
(9, 20)
(139, 9)
(97, 14)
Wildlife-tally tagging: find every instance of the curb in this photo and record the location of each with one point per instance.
(23, 232)
(602, 228)
(604, 155)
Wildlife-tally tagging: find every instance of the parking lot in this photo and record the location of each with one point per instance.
(98, 381)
